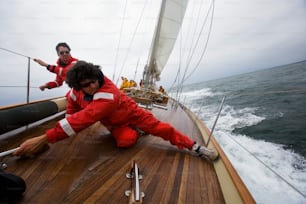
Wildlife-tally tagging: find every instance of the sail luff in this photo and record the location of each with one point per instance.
(169, 23)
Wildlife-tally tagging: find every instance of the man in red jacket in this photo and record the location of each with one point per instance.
(93, 97)
(64, 63)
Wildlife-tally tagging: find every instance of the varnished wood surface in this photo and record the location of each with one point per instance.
(89, 168)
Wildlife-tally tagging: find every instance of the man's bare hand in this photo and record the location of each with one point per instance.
(32, 146)
(43, 87)
(42, 63)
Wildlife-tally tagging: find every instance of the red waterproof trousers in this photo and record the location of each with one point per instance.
(127, 136)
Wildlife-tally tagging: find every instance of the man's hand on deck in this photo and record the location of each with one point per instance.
(32, 146)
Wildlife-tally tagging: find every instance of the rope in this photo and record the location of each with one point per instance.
(16, 53)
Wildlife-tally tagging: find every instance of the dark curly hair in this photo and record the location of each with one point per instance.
(83, 71)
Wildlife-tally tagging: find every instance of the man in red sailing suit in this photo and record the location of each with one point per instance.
(64, 63)
(93, 98)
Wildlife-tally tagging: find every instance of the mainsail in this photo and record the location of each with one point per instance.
(169, 23)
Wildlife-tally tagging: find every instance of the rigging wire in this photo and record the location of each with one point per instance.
(29, 66)
(196, 44)
(132, 40)
(17, 86)
(180, 61)
(193, 48)
(177, 77)
(206, 43)
(119, 42)
(273, 171)
(134, 78)
(16, 53)
(193, 12)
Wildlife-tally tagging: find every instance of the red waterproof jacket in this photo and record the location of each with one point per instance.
(60, 70)
(115, 111)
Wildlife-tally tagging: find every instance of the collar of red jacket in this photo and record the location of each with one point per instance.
(60, 63)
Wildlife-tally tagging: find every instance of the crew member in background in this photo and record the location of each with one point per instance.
(140, 83)
(125, 83)
(162, 90)
(93, 98)
(64, 63)
(132, 83)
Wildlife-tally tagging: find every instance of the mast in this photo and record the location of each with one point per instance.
(168, 26)
(150, 67)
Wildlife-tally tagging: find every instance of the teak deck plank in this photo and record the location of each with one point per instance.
(90, 168)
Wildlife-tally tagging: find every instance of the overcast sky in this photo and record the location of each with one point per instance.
(246, 35)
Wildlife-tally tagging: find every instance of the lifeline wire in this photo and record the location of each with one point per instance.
(16, 53)
(263, 163)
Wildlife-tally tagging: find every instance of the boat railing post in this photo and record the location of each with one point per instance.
(28, 80)
(29, 60)
(214, 125)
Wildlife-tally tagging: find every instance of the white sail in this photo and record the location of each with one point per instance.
(169, 23)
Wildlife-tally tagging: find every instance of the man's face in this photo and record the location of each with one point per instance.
(63, 53)
(90, 86)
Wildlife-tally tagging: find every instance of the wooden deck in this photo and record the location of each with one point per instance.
(90, 169)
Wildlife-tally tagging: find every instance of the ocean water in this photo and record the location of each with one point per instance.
(262, 128)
